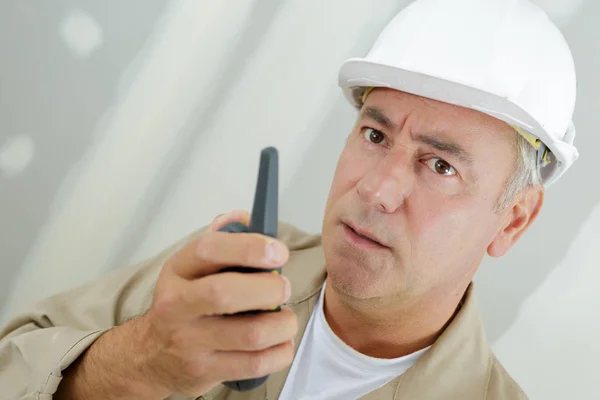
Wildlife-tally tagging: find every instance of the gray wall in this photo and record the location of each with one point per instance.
(52, 96)
(119, 122)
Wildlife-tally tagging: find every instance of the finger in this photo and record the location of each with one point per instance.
(222, 220)
(238, 365)
(232, 292)
(213, 251)
(245, 332)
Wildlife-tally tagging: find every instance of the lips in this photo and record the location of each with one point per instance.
(365, 235)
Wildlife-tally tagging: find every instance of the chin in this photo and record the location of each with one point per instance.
(356, 276)
(349, 285)
(356, 272)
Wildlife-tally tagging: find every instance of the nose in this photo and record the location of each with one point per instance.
(387, 184)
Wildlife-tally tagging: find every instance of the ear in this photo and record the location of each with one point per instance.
(516, 220)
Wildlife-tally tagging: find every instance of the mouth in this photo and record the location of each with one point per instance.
(361, 238)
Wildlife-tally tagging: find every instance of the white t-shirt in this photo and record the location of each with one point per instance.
(326, 368)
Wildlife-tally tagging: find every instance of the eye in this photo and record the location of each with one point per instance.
(373, 135)
(440, 166)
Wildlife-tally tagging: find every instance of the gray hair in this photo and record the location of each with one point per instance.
(525, 174)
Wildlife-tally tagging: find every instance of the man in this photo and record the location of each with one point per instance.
(465, 114)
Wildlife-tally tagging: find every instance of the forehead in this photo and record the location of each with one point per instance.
(398, 104)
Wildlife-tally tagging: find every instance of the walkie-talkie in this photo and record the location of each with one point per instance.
(264, 220)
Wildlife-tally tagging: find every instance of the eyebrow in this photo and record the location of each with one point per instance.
(377, 115)
(444, 145)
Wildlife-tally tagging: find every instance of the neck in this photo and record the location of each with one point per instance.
(387, 331)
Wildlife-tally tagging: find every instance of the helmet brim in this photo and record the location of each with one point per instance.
(357, 74)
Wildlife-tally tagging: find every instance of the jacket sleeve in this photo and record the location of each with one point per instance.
(35, 346)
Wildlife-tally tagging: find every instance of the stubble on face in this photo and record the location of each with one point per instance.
(440, 227)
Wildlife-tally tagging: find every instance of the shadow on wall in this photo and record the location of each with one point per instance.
(557, 327)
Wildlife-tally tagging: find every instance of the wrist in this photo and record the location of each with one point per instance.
(115, 366)
(138, 376)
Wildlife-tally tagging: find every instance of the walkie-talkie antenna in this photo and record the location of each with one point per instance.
(264, 216)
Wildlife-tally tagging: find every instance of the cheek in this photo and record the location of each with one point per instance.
(450, 230)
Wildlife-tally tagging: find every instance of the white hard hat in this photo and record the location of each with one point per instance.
(504, 58)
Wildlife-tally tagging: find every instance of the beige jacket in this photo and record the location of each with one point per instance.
(36, 346)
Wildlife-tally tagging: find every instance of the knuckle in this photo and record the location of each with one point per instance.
(238, 214)
(289, 355)
(165, 302)
(282, 289)
(168, 266)
(195, 369)
(254, 335)
(276, 289)
(215, 295)
(258, 365)
(250, 246)
(242, 216)
(218, 218)
(291, 320)
(178, 341)
(204, 246)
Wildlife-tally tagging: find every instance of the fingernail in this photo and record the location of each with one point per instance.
(288, 287)
(274, 252)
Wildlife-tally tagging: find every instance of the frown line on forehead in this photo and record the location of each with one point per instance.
(432, 139)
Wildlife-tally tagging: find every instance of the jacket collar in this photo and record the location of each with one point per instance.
(457, 366)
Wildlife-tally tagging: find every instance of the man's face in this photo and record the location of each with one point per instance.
(422, 177)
